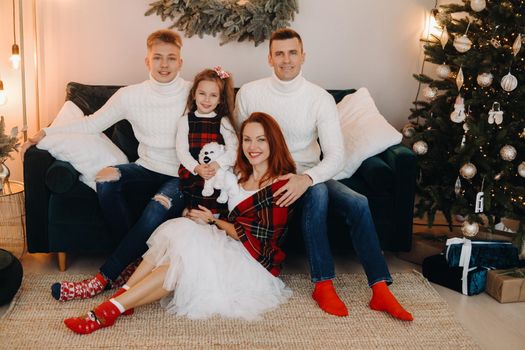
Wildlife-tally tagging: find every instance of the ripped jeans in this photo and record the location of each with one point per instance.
(166, 202)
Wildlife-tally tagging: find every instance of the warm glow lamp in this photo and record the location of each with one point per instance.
(3, 96)
(15, 50)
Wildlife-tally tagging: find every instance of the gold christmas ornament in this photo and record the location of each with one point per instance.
(508, 153)
(443, 71)
(460, 79)
(444, 37)
(468, 171)
(485, 79)
(420, 147)
(516, 47)
(470, 229)
(458, 114)
(509, 82)
(462, 43)
(521, 169)
(430, 92)
(478, 5)
(408, 131)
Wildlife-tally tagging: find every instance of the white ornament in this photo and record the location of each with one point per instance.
(516, 47)
(509, 82)
(408, 131)
(457, 187)
(508, 153)
(521, 169)
(430, 92)
(420, 147)
(468, 171)
(478, 5)
(443, 71)
(470, 229)
(458, 115)
(495, 114)
(485, 79)
(460, 79)
(444, 38)
(462, 43)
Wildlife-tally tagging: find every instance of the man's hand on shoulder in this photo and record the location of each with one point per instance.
(293, 190)
(35, 139)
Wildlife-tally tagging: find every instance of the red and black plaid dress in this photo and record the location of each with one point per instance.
(200, 132)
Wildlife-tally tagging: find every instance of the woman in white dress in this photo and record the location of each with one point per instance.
(227, 267)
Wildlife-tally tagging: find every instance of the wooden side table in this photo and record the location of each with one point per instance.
(13, 218)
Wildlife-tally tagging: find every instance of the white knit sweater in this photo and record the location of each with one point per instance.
(153, 109)
(304, 112)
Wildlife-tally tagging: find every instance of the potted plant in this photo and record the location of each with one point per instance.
(8, 144)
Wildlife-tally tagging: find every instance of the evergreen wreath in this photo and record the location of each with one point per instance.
(236, 20)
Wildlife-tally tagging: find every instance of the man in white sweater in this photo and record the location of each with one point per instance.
(307, 113)
(153, 108)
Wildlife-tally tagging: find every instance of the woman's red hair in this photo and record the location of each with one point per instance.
(280, 161)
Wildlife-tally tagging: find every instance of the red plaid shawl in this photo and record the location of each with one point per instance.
(260, 225)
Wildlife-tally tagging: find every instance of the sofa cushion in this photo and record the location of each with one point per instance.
(88, 153)
(365, 131)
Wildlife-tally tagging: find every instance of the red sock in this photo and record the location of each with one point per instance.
(384, 300)
(324, 294)
(120, 292)
(104, 315)
(85, 289)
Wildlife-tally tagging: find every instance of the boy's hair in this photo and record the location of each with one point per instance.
(284, 34)
(166, 36)
(280, 161)
(225, 108)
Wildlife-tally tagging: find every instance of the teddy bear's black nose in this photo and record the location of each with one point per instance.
(206, 160)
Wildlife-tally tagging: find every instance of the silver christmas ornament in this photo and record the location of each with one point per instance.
(521, 169)
(458, 115)
(444, 37)
(430, 92)
(443, 71)
(420, 147)
(408, 131)
(457, 187)
(508, 153)
(495, 114)
(509, 82)
(478, 5)
(516, 47)
(462, 43)
(470, 229)
(485, 79)
(468, 171)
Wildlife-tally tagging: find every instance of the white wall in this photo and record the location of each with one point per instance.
(349, 44)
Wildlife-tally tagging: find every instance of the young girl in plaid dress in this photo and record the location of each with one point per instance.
(209, 119)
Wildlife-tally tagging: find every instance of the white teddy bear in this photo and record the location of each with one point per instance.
(224, 180)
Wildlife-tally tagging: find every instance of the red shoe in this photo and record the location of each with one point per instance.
(103, 316)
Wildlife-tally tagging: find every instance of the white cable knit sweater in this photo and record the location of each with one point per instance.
(153, 109)
(304, 112)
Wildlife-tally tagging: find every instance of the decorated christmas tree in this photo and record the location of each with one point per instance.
(468, 128)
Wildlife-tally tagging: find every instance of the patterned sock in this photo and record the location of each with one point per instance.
(85, 289)
(384, 300)
(324, 294)
(121, 291)
(104, 315)
(125, 274)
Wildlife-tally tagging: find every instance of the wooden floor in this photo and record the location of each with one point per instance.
(491, 324)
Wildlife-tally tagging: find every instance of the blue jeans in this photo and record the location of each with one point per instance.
(133, 232)
(353, 208)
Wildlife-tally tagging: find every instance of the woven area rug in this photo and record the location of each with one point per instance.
(35, 321)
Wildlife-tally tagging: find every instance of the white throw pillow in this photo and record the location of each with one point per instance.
(87, 153)
(365, 131)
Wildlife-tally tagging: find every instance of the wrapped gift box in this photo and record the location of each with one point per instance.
(473, 253)
(506, 286)
(423, 245)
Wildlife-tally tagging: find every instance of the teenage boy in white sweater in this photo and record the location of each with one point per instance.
(305, 113)
(153, 108)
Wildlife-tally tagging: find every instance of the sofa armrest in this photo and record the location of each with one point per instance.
(61, 177)
(377, 174)
(36, 164)
(404, 165)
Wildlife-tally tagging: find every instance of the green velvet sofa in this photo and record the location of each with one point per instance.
(63, 215)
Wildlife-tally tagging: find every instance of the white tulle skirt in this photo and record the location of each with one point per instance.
(211, 274)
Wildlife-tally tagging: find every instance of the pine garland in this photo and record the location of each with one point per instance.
(235, 20)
